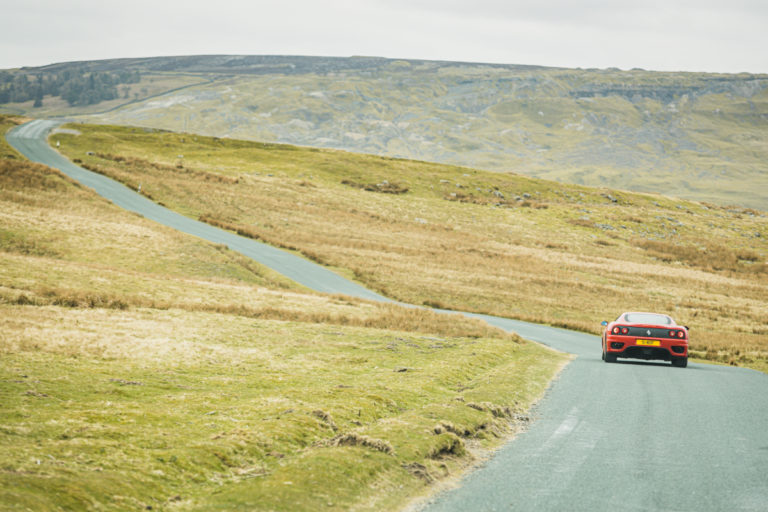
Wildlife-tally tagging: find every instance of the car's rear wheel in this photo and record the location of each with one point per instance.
(610, 358)
(680, 362)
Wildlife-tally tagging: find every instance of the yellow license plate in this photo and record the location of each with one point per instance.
(648, 343)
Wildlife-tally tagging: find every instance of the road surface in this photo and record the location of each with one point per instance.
(30, 140)
(607, 437)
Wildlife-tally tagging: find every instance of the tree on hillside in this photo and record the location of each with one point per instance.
(38, 98)
(76, 86)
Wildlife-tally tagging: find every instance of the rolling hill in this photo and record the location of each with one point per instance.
(699, 136)
(463, 239)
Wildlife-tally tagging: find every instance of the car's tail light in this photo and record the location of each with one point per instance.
(624, 330)
(615, 330)
(672, 334)
(680, 334)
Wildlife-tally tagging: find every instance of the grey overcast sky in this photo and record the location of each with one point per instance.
(676, 35)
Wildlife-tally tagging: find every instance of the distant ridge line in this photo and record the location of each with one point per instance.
(258, 64)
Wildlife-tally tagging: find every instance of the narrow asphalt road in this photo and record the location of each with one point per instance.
(31, 140)
(626, 436)
(630, 436)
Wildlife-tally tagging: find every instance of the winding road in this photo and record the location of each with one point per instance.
(636, 436)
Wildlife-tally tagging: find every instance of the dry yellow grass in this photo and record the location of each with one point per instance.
(584, 255)
(60, 245)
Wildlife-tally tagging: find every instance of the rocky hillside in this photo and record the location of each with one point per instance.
(694, 135)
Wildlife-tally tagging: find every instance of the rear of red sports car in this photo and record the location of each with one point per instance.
(645, 336)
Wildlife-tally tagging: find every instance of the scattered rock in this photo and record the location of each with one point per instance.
(522, 418)
(419, 470)
(325, 418)
(384, 186)
(498, 411)
(123, 382)
(354, 439)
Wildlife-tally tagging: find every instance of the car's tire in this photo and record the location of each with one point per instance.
(610, 358)
(680, 362)
(602, 356)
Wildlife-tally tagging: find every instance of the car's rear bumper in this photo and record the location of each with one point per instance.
(631, 347)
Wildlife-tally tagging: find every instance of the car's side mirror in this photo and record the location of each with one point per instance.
(604, 323)
(687, 328)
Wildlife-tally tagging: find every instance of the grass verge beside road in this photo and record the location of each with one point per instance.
(193, 411)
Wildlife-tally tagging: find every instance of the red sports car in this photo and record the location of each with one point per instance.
(645, 336)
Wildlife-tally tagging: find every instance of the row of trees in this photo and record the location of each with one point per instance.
(77, 87)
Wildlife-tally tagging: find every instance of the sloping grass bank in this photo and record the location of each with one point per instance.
(464, 239)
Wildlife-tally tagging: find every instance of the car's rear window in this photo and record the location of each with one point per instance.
(647, 318)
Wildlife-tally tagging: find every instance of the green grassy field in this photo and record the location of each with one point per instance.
(191, 411)
(141, 367)
(465, 239)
